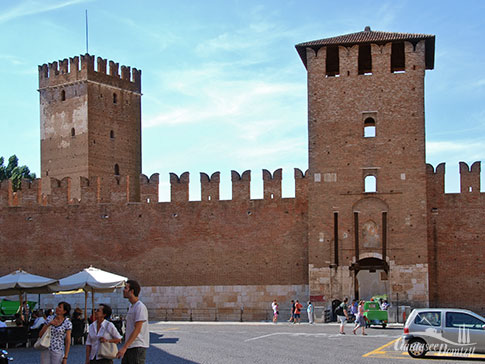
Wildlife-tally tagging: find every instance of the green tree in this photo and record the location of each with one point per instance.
(14, 172)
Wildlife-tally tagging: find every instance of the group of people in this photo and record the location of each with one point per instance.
(100, 331)
(296, 307)
(356, 310)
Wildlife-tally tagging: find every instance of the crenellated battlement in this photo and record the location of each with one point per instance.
(82, 68)
(272, 184)
(116, 189)
(469, 179)
(210, 186)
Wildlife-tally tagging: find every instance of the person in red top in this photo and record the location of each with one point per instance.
(298, 307)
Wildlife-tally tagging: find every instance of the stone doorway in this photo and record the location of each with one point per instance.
(370, 278)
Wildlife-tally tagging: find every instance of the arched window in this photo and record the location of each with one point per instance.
(112, 134)
(115, 98)
(63, 95)
(369, 128)
(370, 184)
(117, 169)
(73, 132)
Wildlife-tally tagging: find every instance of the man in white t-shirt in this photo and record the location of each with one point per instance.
(137, 336)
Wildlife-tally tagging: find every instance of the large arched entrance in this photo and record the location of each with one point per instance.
(370, 278)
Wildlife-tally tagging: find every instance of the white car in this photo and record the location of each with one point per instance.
(448, 331)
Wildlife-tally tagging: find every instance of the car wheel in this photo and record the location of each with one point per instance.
(417, 348)
(384, 326)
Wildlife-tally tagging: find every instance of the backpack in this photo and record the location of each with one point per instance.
(339, 311)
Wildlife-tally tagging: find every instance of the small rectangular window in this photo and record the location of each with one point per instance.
(397, 57)
(332, 63)
(365, 59)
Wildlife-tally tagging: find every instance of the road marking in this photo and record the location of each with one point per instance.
(262, 337)
(379, 349)
(320, 334)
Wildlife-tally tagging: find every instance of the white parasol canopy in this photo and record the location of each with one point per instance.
(91, 280)
(20, 282)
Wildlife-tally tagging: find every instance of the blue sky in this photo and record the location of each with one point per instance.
(223, 85)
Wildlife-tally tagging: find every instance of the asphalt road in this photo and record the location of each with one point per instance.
(231, 343)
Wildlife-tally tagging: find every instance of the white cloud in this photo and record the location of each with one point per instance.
(214, 96)
(454, 151)
(36, 7)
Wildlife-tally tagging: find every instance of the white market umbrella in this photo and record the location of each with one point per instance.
(20, 282)
(91, 280)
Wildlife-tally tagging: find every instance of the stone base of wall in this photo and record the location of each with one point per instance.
(197, 303)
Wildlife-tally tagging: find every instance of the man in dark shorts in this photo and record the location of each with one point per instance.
(298, 307)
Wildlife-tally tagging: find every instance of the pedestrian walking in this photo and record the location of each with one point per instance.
(298, 307)
(309, 310)
(292, 317)
(342, 315)
(353, 309)
(137, 336)
(275, 307)
(360, 319)
(61, 328)
(101, 331)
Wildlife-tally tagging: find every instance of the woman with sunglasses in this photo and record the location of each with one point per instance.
(100, 331)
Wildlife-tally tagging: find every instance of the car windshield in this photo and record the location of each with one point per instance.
(428, 318)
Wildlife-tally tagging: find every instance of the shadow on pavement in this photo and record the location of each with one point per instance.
(157, 339)
(157, 355)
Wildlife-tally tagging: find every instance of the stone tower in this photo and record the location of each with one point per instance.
(367, 232)
(90, 121)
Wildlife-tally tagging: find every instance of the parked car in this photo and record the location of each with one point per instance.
(448, 331)
(373, 314)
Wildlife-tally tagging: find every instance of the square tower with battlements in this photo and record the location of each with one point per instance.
(367, 232)
(90, 121)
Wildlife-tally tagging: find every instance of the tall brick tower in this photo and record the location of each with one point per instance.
(90, 121)
(367, 193)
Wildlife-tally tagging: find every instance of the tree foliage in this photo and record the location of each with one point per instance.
(14, 172)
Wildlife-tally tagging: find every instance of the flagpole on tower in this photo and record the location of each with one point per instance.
(87, 49)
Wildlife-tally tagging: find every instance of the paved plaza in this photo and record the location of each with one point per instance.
(231, 343)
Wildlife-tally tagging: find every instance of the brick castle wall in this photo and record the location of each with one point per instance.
(181, 243)
(456, 234)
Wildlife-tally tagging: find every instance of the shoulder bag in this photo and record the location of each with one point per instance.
(108, 350)
(44, 341)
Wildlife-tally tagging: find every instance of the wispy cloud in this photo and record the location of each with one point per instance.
(456, 150)
(12, 59)
(213, 95)
(32, 7)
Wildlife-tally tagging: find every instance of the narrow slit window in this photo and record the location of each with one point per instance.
(115, 98)
(365, 59)
(73, 132)
(112, 134)
(370, 184)
(117, 169)
(369, 128)
(335, 238)
(398, 61)
(332, 62)
(63, 95)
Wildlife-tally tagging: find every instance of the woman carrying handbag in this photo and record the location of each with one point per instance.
(102, 338)
(60, 337)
